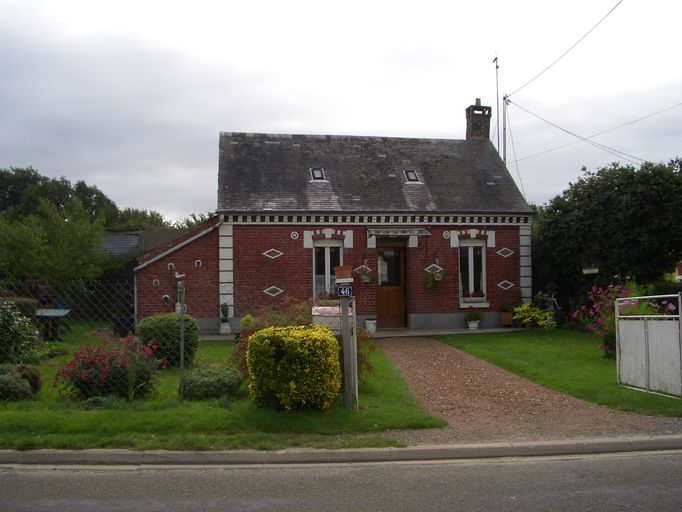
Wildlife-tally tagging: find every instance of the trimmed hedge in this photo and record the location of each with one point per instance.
(207, 383)
(294, 367)
(163, 332)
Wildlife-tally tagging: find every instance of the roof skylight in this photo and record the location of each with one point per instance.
(317, 174)
(411, 176)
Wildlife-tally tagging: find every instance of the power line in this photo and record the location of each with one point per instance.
(603, 131)
(566, 52)
(516, 162)
(603, 147)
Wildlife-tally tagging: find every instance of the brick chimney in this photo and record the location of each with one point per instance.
(478, 121)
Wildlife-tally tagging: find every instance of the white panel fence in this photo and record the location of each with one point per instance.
(648, 346)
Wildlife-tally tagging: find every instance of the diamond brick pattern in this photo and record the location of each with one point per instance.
(273, 291)
(505, 285)
(505, 252)
(273, 253)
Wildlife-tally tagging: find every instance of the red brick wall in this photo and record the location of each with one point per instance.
(201, 282)
(292, 272)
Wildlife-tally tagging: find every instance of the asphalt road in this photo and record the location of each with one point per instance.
(636, 481)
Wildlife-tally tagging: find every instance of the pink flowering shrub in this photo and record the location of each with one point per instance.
(598, 314)
(120, 367)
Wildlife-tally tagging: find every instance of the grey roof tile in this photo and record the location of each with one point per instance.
(261, 172)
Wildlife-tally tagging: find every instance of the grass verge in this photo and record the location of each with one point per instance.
(566, 361)
(166, 423)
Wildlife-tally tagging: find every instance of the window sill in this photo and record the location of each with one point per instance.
(467, 303)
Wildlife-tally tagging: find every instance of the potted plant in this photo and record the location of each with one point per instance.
(473, 318)
(364, 273)
(507, 312)
(225, 328)
(434, 279)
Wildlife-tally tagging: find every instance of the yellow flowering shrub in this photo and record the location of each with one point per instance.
(294, 367)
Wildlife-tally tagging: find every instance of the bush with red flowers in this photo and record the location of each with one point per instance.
(120, 367)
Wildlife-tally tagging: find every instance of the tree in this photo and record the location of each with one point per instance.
(627, 219)
(194, 219)
(133, 219)
(52, 245)
(22, 189)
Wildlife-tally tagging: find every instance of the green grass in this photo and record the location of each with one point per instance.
(164, 422)
(566, 361)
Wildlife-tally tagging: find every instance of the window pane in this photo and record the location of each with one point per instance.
(325, 258)
(478, 270)
(464, 270)
(319, 280)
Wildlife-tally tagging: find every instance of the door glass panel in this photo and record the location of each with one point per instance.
(389, 268)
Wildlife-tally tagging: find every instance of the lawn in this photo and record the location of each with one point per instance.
(566, 361)
(164, 422)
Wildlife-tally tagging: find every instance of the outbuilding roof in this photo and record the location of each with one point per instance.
(329, 173)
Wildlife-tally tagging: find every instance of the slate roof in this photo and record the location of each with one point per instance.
(271, 172)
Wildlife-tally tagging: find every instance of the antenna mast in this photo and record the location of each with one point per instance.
(497, 99)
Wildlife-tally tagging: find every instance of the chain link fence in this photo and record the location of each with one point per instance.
(79, 341)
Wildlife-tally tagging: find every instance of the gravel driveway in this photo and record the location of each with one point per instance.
(484, 403)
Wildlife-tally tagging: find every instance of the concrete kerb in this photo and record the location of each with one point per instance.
(319, 456)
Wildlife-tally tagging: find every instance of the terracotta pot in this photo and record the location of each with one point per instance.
(506, 318)
(343, 272)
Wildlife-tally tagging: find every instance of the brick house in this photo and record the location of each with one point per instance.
(402, 211)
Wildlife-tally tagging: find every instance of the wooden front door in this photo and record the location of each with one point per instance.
(391, 291)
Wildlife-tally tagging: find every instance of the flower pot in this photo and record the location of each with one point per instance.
(225, 328)
(506, 318)
(343, 272)
(473, 324)
(365, 278)
(371, 326)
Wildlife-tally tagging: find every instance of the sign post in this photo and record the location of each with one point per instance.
(344, 291)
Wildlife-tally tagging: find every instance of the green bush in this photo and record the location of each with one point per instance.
(26, 372)
(532, 317)
(26, 305)
(14, 387)
(294, 367)
(164, 331)
(16, 334)
(207, 383)
(31, 375)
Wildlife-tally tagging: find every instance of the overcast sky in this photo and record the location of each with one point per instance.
(130, 96)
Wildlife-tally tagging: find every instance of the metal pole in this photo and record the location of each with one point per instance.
(497, 99)
(181, 300)
(504, 129)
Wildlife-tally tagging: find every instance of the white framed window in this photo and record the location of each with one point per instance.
(472, 274)
(327, 254)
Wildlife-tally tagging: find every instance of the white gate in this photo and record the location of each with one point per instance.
(649, 347)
